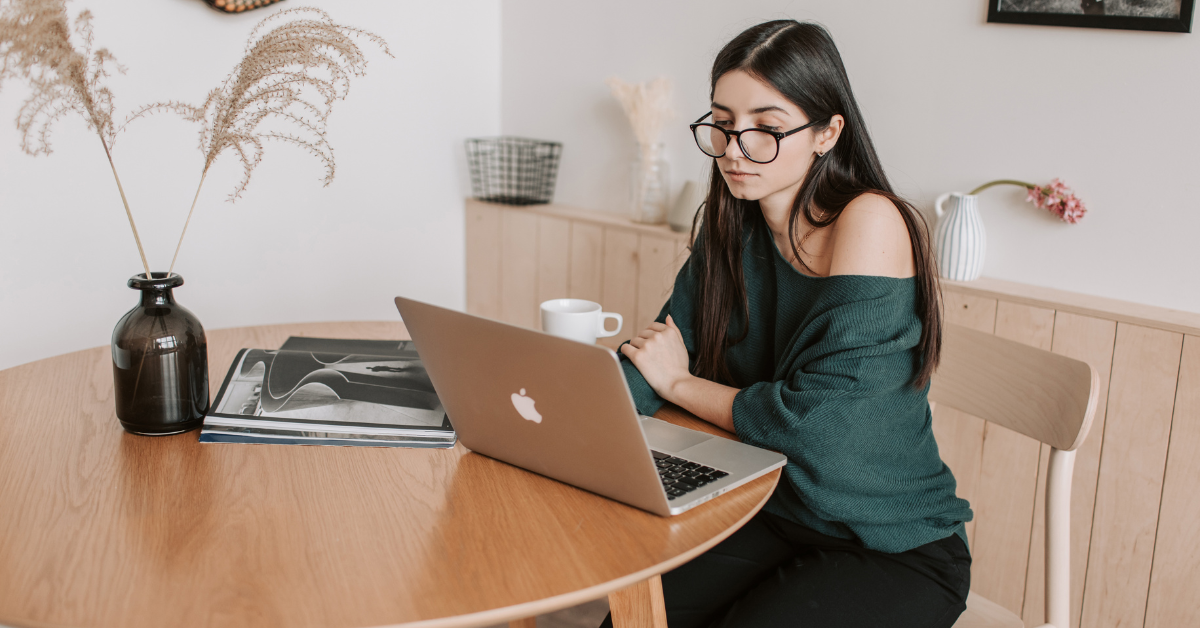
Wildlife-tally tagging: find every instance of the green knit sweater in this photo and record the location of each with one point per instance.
(825, 376)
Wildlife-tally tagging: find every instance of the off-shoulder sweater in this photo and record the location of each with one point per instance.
(825, 374)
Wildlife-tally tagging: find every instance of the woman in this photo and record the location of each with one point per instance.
(807, 322)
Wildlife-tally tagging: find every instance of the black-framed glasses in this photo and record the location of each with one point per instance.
(758, 145)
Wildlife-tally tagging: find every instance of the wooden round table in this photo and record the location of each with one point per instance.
(103, 528)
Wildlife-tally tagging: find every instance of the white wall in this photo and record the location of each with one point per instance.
(951, 102)
(289, 250)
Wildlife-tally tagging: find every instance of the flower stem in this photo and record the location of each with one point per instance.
(128, 213)
(1002, 182)
(187, 222)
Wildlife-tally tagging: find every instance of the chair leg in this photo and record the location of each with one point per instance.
(639, 606)
(528, 622)
(1058, 538)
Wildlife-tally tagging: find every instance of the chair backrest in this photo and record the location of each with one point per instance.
(1043, 395)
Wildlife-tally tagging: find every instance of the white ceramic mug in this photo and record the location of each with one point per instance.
(577, 319)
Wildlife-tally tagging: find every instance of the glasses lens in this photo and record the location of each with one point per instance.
(711, 140)
(759, 145)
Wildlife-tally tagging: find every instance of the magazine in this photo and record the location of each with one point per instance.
(324, 391)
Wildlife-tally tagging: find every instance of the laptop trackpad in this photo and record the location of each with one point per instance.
(663, 436)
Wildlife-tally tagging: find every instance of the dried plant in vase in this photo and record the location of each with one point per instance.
(297, 63)
(35, 45)
(648, 107)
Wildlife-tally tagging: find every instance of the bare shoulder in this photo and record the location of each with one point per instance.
(871, 238)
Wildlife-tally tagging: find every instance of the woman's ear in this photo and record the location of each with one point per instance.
(828, 136)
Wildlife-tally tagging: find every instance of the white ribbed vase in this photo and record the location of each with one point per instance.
(959, 240)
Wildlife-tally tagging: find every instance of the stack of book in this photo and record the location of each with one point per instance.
(324, 391)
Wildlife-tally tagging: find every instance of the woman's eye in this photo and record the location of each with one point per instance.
(768, 128)
(722, 123)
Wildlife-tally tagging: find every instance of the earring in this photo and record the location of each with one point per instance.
(821, 154)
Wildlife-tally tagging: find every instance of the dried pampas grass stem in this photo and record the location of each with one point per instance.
(35, 45)
(647, 105)
(297, 63)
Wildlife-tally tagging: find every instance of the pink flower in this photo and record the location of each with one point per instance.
(1059, 200)
(1073, 211)
(1054, 197)
(1035, 196)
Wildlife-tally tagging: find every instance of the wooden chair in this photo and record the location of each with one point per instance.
(1045, 396)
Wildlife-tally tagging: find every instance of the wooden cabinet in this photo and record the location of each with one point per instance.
(1135, 554)
(518, 257)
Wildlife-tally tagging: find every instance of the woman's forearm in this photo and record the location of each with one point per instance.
(708, 400)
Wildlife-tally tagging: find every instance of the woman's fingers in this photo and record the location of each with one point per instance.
(638, 342)
(673, 327)
(653, 329)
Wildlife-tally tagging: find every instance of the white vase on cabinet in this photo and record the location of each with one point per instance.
(959, 242)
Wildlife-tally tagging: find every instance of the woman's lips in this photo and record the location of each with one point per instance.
(735, 175)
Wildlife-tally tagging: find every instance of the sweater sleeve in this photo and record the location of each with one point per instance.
(842, 409)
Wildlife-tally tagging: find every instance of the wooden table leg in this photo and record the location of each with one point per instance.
(639, 606)
(528, 622)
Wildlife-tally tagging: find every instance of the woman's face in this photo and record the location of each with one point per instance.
(741, 101)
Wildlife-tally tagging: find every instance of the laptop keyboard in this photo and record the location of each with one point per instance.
(680, 477)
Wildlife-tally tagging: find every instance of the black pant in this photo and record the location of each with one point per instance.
(773, 572)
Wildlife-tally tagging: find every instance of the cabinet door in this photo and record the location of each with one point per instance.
(519, 267)
(620, 291)
(483, 259)
(656, 275)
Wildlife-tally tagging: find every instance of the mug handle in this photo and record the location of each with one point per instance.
(937, 205)
(604, 333)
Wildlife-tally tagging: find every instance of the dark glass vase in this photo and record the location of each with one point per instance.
(160, 362)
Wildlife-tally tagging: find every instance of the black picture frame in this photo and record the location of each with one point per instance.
(1182, 24)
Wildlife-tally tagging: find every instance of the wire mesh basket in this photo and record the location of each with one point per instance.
(513, 170)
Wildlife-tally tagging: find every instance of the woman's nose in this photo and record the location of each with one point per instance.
(734, 149)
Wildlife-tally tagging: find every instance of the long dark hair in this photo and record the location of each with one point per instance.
(800, 61)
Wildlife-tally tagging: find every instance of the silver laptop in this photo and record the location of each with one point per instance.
(562, 409)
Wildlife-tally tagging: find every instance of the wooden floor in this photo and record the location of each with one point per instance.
(587, 615)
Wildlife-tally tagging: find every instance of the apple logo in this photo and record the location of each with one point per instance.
(524, 406)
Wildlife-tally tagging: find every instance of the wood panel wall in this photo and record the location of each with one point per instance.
(1134, 503)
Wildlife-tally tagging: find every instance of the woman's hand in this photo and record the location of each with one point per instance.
(660, 355)
(662, 358)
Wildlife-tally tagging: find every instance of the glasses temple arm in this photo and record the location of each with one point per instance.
(797, 130)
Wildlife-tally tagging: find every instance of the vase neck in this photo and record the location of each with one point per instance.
(651, 152)
(157, 296)
(157, 289)
(967, 202)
